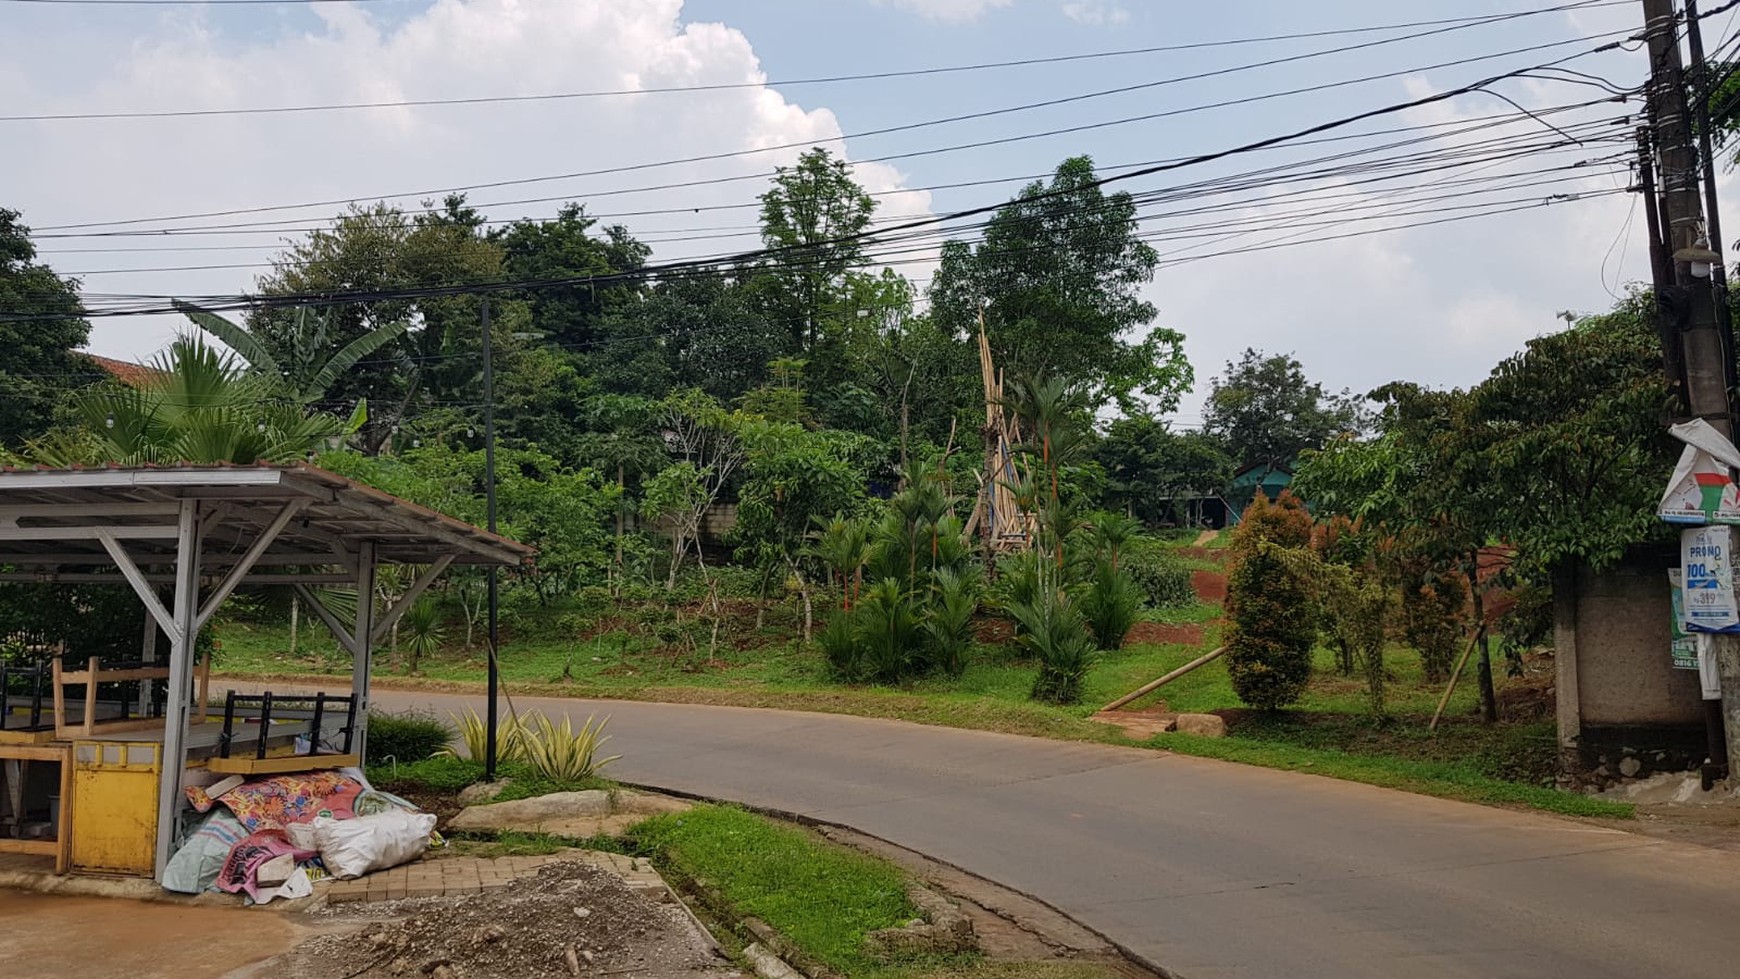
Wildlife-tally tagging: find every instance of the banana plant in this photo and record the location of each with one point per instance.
(309, 333)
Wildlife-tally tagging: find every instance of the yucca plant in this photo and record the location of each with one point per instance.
(564, 755)
(510, 736)
(421, 629)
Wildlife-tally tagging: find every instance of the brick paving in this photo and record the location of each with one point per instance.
(458, 876)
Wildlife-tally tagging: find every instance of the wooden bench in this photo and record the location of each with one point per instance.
(92, 675)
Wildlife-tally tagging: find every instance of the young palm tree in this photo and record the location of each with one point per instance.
(197, 405)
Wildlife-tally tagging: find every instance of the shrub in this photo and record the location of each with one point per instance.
(407, 737)
(1163, 579)
(1273, 619)
(473, 732)
(948, 621)
(1110, 603)
(561, 754)
(1053, 631)
(444, 775)
(839, 642)
(886, 632)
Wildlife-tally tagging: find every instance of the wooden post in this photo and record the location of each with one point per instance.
(91, 696)
(1450, 687)
(63, 826)
(1149, 688)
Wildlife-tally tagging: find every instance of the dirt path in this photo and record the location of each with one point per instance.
(104, 938)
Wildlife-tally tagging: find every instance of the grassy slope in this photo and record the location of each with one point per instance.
(1328, 733)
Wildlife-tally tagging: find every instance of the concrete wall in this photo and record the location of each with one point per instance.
(1617, 688)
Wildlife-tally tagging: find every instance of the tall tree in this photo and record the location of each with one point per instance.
(1059, 277)
(1266, 411)
(37, 363)
(566, 247)
(811, 217)
(380, 248)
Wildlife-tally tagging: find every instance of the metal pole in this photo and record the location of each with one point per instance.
(489, 756)
(1686, 302)
(175, 712)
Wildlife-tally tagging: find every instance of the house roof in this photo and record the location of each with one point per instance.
(53, 518)
(125, 371)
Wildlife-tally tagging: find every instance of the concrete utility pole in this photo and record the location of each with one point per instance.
(1686, 301)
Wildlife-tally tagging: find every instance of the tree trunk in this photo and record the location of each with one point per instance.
(804, 592)
(1488, 696)
(295, 621)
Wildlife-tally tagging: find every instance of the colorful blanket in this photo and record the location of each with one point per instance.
(271, 803)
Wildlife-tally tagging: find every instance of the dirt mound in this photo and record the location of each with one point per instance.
(1210, 586)
(570, 919)
(1159, 633)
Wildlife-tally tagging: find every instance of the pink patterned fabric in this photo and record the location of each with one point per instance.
(270, 803)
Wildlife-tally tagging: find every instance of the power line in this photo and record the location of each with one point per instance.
(222, 303)
(284, 227)
(907, 127)
(793, 82)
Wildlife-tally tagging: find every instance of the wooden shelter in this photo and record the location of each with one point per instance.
(184, 539)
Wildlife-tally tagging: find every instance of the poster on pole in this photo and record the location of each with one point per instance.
(1683, 646)
(1702, 489)
(1707, 575)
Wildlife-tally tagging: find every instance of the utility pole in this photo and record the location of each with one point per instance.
(1687, 304)
(490, 747)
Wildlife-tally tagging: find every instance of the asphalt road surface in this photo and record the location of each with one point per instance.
(1210, 869)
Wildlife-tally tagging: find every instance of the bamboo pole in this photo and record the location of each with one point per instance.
(1149, 688)
(1454, 675)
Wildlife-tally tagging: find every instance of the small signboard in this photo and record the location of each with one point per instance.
(1707, 573)
(1684, 645)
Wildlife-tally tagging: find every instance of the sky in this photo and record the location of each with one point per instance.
(1439, 303)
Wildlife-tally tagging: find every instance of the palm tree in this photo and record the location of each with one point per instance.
(197, 405)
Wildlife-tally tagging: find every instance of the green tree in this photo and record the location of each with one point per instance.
(37, 360)
(1058, 277)
(811, 217)
(565, 247)
(1265, 410)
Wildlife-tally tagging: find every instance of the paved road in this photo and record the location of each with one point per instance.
(1208, 869)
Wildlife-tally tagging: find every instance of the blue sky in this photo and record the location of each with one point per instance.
(1438, 305)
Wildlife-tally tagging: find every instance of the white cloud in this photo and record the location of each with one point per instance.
(102, 171)
(1095, 13)
(948, 11)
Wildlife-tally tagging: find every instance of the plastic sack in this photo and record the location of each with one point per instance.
(353, 847)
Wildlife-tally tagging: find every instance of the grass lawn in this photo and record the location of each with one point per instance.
(824, 897)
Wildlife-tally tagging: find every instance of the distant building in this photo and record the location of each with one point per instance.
(1268, 478)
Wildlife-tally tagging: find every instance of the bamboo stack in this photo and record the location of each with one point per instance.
(997, 514)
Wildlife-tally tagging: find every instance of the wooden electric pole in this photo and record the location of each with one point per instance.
(1687, 301)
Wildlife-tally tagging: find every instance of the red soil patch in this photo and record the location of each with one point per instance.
(993, 632)
(1159, 633)
(1210, 586)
